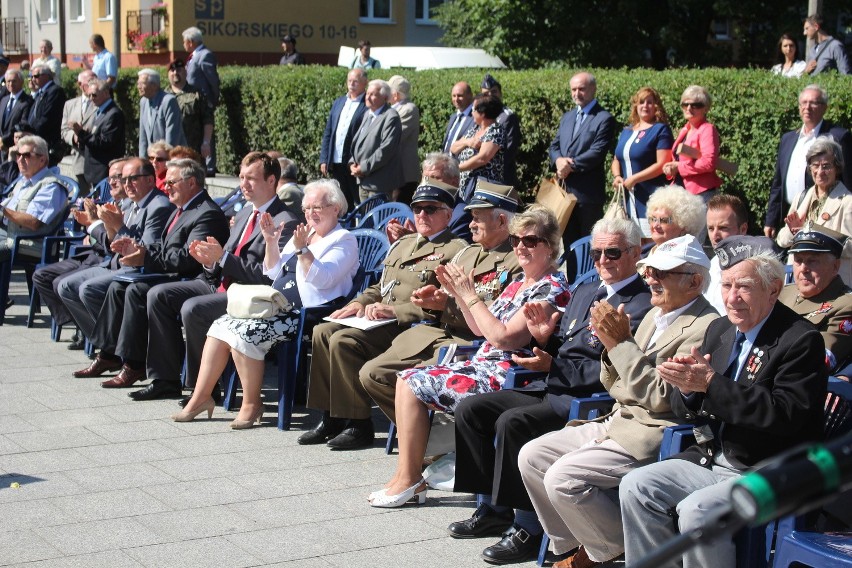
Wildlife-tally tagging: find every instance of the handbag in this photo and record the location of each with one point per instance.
(617, 205)
(255, 301)
(552, 195)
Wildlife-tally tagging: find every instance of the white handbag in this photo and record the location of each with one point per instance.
(255, 301)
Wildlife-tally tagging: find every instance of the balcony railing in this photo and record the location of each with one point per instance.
(147, 30)
(13, 35)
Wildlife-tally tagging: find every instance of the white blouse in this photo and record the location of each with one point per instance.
(794, 71)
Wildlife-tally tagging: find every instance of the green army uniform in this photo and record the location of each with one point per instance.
(195, 114)
(831, 312)
(340, 351)
(492, 271)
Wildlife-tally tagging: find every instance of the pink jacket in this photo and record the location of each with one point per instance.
(699, 175)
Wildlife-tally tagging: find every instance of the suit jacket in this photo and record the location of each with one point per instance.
(146, 224)
(778, 400)
(576, 367)
(512, 143)
(466, 123)
(777, 207)
(160, 119)
(409, 117)
(202, 74)
(328, 135)
(247, 268)
(73, 112)
(629, 372)
(20, 112)
(201, 219)
(588, 149)
(376, 149)
(102, 142)
(46, 114)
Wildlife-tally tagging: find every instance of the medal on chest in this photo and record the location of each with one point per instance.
(826, 306)
(754, 363)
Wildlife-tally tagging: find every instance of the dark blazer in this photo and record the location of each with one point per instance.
(466, 123)
(511, 144)
(146, 225)
(103, 143)
(376, 148)
(770, 409)
(20, 111)
(201, 219)
(328, 135)
(576, 367)
(46, 114)
(588, 149)
(777, 207)
(247, 268)
(201, 73)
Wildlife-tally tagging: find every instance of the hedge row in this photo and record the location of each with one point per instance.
(286, 109)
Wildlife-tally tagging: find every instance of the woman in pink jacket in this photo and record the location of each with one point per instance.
(696, 148)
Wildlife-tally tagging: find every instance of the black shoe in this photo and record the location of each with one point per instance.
(484, 522)
(156, 390)
(358, 434)
(216, 395)
(327, 429)
(77, 343)
(516, 545)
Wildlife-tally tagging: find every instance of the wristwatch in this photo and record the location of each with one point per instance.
(302, 251)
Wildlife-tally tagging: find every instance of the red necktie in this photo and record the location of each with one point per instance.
(174, 221)
(245, 238)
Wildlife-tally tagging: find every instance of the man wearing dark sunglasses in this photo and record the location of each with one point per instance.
(46, 111)
(569, 356)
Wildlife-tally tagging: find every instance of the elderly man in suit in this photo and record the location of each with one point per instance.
(197, 303)
(568, 472)
(159, 113)
(462, 119)
(571, 357)
(792, 175)
(79, 110)
(409, 116)
(202, 73)
(83, 292)
(103, 140)
(15, 108)
(375, 161)
(578, 152)
(754, 388)
(46, 111)
(122, 325)
(340, 128)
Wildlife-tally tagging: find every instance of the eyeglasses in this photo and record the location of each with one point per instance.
(26, 155)
(810, 104)
(116, 177)
(170, 183)
(311, 208)
(661, 275)
(529, 241)
(823, 167)
(157, 159)
(691, 105)
(660, 220)
(37, 75)
(428, 209)
(612, 253)
(131, 179)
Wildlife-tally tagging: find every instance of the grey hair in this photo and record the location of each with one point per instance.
(150, 75)
(332, 194)
(496, 212)
(160, 146)
(16, 72)
(400, 84)
(289, 169)
(592, 80)
(448, 165)
(768, 268)
(100, 86)
(189, 169)
(687, 210)
(624, 227)
(823, 94)
(703, 272)
(48, 44)
(37, 142)
(698, 94)
(384, 88)
(543, 223)
(41, 70)
(192, 34)
(823, 146)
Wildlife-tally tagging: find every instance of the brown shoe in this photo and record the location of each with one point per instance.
(98, 367)
(125, 378)
(579, 560)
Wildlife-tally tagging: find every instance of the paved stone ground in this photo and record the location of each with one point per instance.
(109, 482)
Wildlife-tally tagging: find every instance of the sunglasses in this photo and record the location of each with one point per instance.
(26, 155)
(428, 209)
(170, 183)
(529, 241)
(130, 179)
(612, 253)
(661, 275)
(37, 75)
(157, 159)
(691, 105)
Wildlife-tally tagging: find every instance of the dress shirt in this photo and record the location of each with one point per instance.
(614, 288)
(47, 203)
(798, 164)
(261, 209)
(663, 321)
(343, 123)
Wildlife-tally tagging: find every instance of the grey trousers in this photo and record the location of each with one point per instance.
(566, 474)
(651, 495)
(83, 294)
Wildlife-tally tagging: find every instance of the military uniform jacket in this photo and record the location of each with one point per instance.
(411, 264)
(831, 312)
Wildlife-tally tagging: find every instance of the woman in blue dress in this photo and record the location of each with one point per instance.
(644, 146)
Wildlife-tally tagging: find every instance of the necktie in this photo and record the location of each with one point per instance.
(8, 111)
(133, 212)
(581, 116)
(733, 365)
(600, 294)
(453, 132)
(174, 221)
(243, 240)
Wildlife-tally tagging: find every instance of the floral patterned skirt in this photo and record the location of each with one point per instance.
(255, 337)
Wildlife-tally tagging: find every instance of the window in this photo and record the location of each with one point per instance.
(76, 11)
(47, 11)
(721, 29)
(375, 10)
(425, 11)
(107, 10)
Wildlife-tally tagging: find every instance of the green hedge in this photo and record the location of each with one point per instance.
(286, 109)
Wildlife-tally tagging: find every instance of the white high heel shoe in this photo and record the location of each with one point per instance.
(410, 495)
(375, 494)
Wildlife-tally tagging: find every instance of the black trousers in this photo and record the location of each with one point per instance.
(46, 279)
(348, 184)
(512, 417)
(122, 326)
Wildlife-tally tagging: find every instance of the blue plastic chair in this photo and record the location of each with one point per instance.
(788, 278)
(582, 252)
(354, 217)
(379, 216)
(590, 276)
